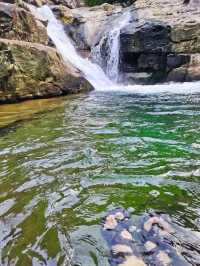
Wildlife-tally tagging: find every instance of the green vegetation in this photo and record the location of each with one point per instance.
(99, 2)
(95, 2)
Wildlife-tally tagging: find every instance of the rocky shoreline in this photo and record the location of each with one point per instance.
(29, 67)
(161, 44)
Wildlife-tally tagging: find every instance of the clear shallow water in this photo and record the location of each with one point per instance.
(12, 113)
(61, 171)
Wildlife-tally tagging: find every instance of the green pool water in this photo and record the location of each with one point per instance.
(74, 158)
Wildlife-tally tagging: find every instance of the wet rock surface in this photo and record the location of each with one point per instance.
(150, 242)
(19, 24)
(162, 43)
(42, 75)
(29, 68)
(86, 25)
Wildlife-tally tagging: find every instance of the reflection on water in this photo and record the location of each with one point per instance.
(60, 173)
(11, 113)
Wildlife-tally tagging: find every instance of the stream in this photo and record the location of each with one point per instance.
(64, 162)
(61, 170)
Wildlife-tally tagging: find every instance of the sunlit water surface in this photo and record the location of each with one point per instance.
(60, 171)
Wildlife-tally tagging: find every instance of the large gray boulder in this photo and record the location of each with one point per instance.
(162, 43)
(31, 70)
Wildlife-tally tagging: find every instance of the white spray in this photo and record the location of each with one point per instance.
(93, 73)
(112, 40)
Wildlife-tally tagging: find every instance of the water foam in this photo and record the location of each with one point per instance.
(112, 40)
(93, 73)
(172, 88)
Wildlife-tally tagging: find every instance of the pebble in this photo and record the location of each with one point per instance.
(164, 258)
(126, 235)
(119, 216)
(133, 261)
(119, 248)
(150, 246)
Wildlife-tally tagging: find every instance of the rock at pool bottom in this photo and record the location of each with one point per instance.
(147, 244)
(115, 230)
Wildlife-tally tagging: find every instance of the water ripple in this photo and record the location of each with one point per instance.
(60, 172)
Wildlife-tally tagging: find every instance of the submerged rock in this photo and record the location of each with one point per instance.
(30, 70)
(151, 244)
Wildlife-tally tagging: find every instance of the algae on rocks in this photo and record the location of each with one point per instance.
(19, 24)
(29, 68)
(35, 71)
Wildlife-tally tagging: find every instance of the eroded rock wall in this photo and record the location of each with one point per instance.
(38, 3)
(162, 43)
(29, 68)
(19, 24)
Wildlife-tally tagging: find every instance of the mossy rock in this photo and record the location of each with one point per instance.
(18, 24)
(35, 71)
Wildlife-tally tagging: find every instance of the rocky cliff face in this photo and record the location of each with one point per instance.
(29, 68)
(86, 25)
(19, 24)
(162, 43)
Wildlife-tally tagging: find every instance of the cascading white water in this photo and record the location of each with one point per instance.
(92, 72)
(112, 39)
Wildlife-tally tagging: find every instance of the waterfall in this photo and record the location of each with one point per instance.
(112, 40)
(93, 72)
